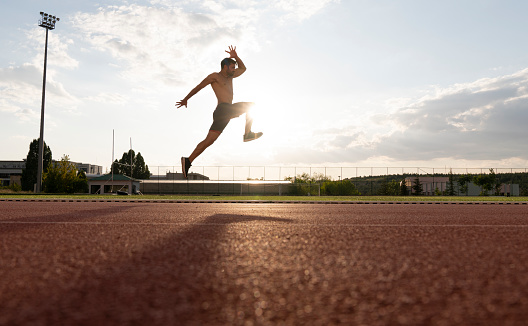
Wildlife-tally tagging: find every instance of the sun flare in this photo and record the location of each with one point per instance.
(270, 117)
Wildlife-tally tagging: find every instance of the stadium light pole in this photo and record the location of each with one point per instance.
(48, 22)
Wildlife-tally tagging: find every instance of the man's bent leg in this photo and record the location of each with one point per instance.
(249, 119)
(245, 107)
(208, 141)
(249, 123)
(241, 108)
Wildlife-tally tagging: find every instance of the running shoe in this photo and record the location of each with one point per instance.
(186, 165)
(252, 136)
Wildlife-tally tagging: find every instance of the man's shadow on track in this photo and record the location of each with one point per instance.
(177, 279)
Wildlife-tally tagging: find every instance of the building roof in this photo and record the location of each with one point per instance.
(117, 177)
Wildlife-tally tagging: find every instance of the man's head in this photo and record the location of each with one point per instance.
(229, 65)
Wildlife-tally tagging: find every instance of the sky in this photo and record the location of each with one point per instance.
(385, 83)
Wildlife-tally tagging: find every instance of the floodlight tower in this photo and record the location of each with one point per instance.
(48, 22)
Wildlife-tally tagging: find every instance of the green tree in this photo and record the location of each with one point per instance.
(305, 184)
(81, 183)
(450, 191)
(495, 182)
(417, 187)
(63, 177)
(339, 188)
(306, 178)
(391, 188)
(403, 188)
(29, 173)
(488, 182)
(394, 188)
(481, 180)
(138, 171)
(463, 183)
(384, 188)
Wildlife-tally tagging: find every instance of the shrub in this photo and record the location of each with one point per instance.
(339, 188)
(62, 177)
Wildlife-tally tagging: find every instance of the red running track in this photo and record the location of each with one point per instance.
(103, 263)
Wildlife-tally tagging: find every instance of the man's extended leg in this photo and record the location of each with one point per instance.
(208, 141)
(245, 107)
(212, 136)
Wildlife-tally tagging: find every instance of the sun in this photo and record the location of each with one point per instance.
(270, 117)
(276, 112)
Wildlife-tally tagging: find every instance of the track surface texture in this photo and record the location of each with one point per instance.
(106, 263)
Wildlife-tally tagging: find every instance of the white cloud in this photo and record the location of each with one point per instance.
(58, 47)
(21, 92)
(154, 44)
(483, 121)
(168, 44)
(300, 9)
(21, 83)
(480, 120)
(106, 97)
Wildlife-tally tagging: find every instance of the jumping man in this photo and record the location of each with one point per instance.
(222, 84)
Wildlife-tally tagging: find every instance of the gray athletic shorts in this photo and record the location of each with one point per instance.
(224, 112)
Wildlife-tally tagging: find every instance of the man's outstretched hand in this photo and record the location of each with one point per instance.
(181, 103)
(232, 52)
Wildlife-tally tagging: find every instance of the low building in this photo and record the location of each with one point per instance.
(113, 183)
(432, 185)
(90, 169)
(11, 171)
(179, 176)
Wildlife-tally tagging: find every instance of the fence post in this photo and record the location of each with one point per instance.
(371, 184)
(264, 182)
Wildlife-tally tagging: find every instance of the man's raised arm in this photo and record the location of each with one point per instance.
(208, 80)
(241, 67)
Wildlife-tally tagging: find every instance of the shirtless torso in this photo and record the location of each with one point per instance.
(223, 87)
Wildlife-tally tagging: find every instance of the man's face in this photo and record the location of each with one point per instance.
(231, 69)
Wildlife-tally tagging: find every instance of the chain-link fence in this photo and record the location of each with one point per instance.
(369, 181)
